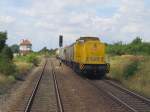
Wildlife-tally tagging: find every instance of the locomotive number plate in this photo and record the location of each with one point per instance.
(94, 58)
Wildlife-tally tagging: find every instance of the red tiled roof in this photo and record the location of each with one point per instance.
(25, 42)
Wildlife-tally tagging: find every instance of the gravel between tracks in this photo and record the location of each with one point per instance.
(80, 96)
(45, 99)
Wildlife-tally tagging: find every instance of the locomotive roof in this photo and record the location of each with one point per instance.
(88, 38)
(85, 39)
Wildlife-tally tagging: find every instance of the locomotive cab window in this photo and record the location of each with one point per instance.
(80, 41)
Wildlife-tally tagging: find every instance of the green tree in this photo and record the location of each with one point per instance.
(7, 53)
(3, 38)
(136, 47)
(137, 40)
(15, 48)
(44, 49)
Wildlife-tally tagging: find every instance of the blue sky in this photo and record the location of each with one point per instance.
(42, 21)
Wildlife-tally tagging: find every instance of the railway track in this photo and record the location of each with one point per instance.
(59, 101)
(31, 99)
(37, 99)
(130, 100)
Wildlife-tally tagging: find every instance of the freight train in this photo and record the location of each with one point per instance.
(86, 56)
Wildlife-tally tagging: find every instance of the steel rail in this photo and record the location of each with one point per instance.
(58, 97)
(31, 98)
(145, 100)
(113, 97)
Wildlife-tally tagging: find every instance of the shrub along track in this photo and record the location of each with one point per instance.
(132, 101)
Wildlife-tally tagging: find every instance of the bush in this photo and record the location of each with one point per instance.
(30, 58)
(125, 66)
(131, 69)
(7, 53)
(7, 67)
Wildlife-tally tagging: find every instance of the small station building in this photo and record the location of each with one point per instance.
(25, 47)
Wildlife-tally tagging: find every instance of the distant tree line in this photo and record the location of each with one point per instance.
(136, 47)
(47, 51)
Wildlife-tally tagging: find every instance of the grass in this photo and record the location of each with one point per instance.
(30, 58)
(8, 79)
(8, 72)
(132, 71)
(23, 67)
(5, 81)
(16, 70)
(25, 63)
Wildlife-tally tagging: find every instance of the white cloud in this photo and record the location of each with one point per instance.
(6, 19)
(43, 21)
(131, 28)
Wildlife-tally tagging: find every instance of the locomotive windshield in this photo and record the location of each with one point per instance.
(88, 38)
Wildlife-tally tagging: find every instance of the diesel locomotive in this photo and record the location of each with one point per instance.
(86, 56)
